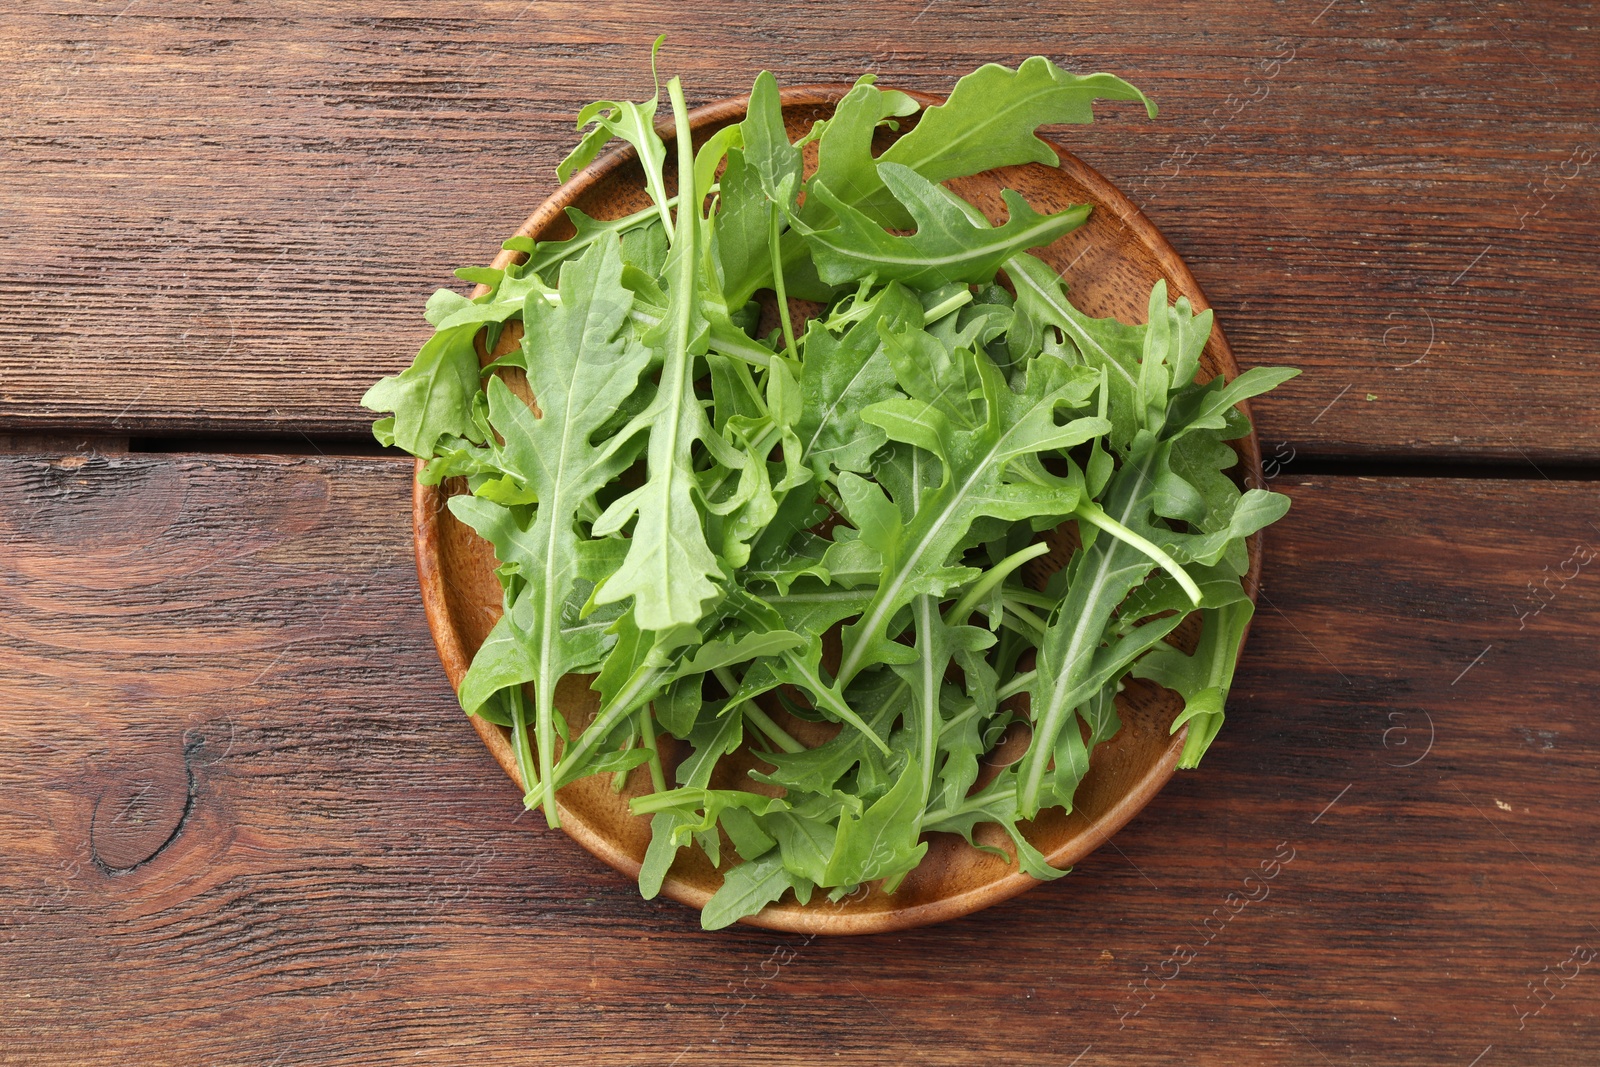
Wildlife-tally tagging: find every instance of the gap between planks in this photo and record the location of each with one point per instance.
(301, 444)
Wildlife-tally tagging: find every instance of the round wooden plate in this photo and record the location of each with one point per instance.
(1111, 263)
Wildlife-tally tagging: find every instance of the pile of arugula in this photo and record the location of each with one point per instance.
(689, 507)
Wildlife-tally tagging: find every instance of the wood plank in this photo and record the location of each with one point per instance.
(227, 222)
(245, 822)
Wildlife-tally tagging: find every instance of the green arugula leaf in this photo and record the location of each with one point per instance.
(974, 462)
(1202, 679)
(669, 564)
(947, 247)
(433, 397)
(634, 123)
(543, 256)
(841, 376)
(882, 841)
(766, 143)
(710, 742)
(845, 163)
(585, 364)
(996, 804)
(991, 115)
(747, 889)
(739, 230)
(1100, 578)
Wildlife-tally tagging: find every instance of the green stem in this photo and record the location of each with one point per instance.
(619, 779)
(677, 799)
(688, 198)
(1025, 615)
(560, 251)
(944, 307)
(647, 727)
(1032, 598)
(545, 725)
(730, 341)
(644, 680)
(972, 803)
(956, 720)
(1092, 514)
(993, 577)
(763, 721)
(774, 227)
(1018, 684)
(925, 611)
(519, 742)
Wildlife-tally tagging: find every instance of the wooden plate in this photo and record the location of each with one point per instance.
(1111, 263)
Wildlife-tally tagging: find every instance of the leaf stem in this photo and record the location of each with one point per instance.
(774, 225)
(547, 254)
(1032, 598)
(1091, 513)
(1018, 684)
(945, 307)
(763, 721)
(647, 728)
(776, 733)
(993, 577)
(519, 742)
(925, 610)
(975, 802)
(643, 681)
(1025, 616)
(544, 706)
(956, 720)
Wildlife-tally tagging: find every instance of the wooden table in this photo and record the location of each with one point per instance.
(244, 822)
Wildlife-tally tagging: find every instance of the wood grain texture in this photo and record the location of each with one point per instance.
(244, 821)
(226, 217)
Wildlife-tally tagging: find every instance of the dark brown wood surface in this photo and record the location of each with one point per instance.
(245, 822)
(225, 217)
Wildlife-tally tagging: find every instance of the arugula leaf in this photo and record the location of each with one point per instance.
(542, 256)
(845, 162)
(766, 143)
(669, 563)
(711, 741)
(585, 365)
(991, 115)
(841, 376)
(747, 889)
(433, 397)
(1202, 679)
(634, 123)
(436, 397)
(819, 769)
(882, 841)
(974, 460)
(943, 250)
(995, 804)
(739, 230)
